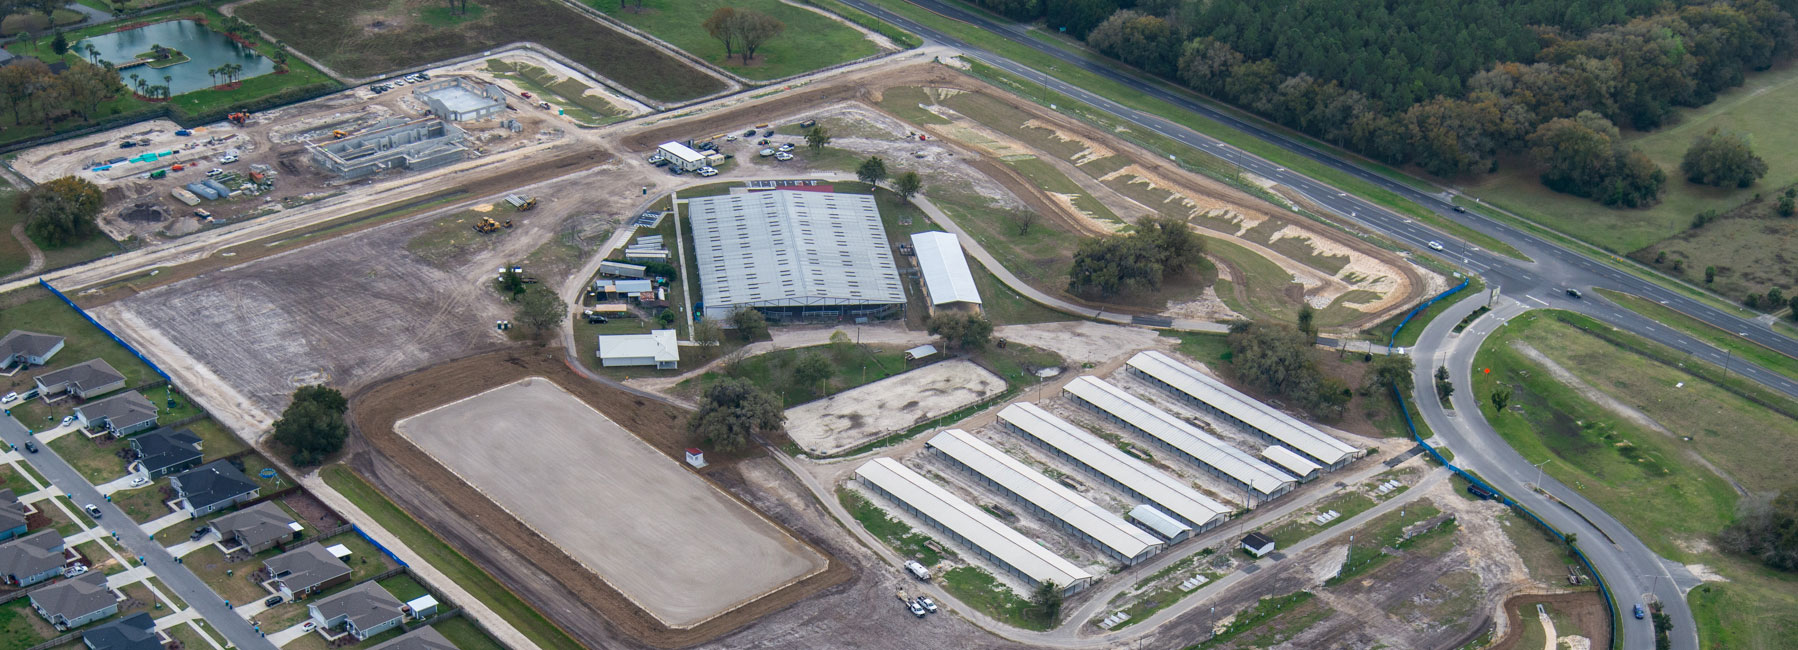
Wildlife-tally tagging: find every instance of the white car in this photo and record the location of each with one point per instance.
(786, 147)
(929, 605)
(10, 398)
(783, 156)
(68, 420)
(214, 172)
(767, 152)
(228, 159)
(1435, 245)
(707, 172)
(730, 138)
(139, 481)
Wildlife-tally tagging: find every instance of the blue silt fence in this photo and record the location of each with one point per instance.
(115, 338)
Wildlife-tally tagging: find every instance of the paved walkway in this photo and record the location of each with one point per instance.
(286, 636)
(186, 548)
(156, 525)
(122, 483)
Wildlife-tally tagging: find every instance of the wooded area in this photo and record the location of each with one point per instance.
(1449, 87)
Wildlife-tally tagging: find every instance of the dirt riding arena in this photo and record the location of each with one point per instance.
(676, 546)
(543, 573)
(851, 418)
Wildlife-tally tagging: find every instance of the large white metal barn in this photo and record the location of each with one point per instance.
(794, 255)
(1189, 442)
(1214, 397)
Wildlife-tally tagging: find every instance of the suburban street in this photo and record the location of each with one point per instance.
(198, 596)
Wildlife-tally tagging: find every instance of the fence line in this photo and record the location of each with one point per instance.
(1419, 309)
(103, 330)
(378, 545)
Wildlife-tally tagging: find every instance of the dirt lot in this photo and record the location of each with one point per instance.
(591, 610)
(850, 418)
(672, 543)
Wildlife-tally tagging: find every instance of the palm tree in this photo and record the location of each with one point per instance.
(215, 76)
(231, 70)
(167, 81)
(93, 53)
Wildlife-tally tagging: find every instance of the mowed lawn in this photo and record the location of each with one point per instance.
(360, 38)
(39, 311)
(1761, 108)
(810, 41)
(14, 256)
(1653, 482)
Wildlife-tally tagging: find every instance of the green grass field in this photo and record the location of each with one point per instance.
(893, 532)
(850, 366)
(1761, 107)
(465, 636)
(39, 311)
(1743, 348)
(453, 564)
(14, 257)
(810, 41)
(569, 95)
(338, 33)
(1407, 337)
(978, 589)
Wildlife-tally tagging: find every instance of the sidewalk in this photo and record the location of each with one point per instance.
(156, 525)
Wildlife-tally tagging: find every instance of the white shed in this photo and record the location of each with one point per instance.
(658, 348)
(947, 278)
(682, 156)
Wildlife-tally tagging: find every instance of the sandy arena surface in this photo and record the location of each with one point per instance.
(850, 418)
(674, 544)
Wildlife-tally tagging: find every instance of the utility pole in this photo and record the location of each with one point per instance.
(1539, 472)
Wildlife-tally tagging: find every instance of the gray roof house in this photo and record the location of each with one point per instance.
(134, 632)
(163, 452)
(424, 638)
(307, 569)
(12, 515)
(31, 559)
(363, 611)
(90, 378)
(20, 348)
(122, 414)
(212, 487)
(75, 602)
(258, 527)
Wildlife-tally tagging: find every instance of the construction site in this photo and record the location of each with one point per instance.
(400, 316)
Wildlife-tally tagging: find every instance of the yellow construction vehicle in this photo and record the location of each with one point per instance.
(340, 134)
(486, 225)
(522, 203)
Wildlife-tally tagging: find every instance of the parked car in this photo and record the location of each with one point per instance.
(1435, 245)
(68, 420)
(127, 144)
(424, 76)
(214, 172)
(1640, 611)
(730, 137)
(783, 156)
(916, 609)
(707, 172)
(308, 625)
(30, 446)
(749, 134)
(273, 600)
(708, 146)
(75, 570)
(199, 532)
(929, 605)
(93, 510)
(228, 159)
(10, 398)
(768, 133)
(139, 481)
(786, 146)
(766, 152)
(525, 94)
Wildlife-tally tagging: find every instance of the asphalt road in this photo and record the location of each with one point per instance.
(183, 582)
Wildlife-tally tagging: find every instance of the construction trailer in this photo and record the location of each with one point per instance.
(682, 156)
(620, 269)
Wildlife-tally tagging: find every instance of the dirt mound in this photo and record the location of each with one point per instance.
(575, 599)
(144, 213)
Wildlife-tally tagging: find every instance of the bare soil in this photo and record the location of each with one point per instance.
(1585, 608)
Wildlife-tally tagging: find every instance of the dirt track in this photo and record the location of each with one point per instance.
(591, 611)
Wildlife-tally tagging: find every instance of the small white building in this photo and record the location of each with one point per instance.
(682, 156)
(658, 348)
(947, 280)
(1258, 544)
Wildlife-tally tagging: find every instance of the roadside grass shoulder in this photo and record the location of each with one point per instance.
(978, 589)
(896, 534)
(415, 536)
(1757, 608)
(809, 42)
(1749, 350)
(1407, 337)
(893, 33)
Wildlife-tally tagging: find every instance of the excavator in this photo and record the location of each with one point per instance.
(238, 118)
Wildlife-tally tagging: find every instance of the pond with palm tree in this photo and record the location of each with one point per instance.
(212, 58)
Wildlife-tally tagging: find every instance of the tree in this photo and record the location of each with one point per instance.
(22, 83)
(1277, 358)
(1046, 601)
(510, 283)
(1571, 540)
(962, 330)
(60, 44)
(734, 410)
(1785, 207)
(751, 324)
(1585, 156)
(707, 333)
(1138, 261)
(540, 310)
(756, 29)
(88, 85)
(1501, 397)
(1023, 219)
(816, 138)
(1710, 274)
(61, 212)
(907, 185)
(722, 25)
(872, 171)
(1722, 159)
(1308, 320)
(1392, 370)
(1444, 388)
(666, 318)
(811, 369)
(313, 425)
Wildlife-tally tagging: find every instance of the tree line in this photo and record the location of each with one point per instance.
(1448, 87)
(33, 94)
(1137, 262)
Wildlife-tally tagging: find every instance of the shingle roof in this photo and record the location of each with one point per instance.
(32, 554)
(134, 632)
(162, 448)
(256, 525)
(1257, 540)
(121, 410)
(306, 567)
(366, 605)
(12, 513)
(31, 344)
(75, 597)
(424, 638)
(90, 373)
(212, 483)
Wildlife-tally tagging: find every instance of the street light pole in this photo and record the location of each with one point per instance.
(1539, 472)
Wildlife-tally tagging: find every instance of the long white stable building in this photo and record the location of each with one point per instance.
(1214, 397)
(970, 526)
(1106, 462)
(1075, 514)
(1174, 434)
(1293, 463)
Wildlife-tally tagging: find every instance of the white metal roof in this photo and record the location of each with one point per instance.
(1293, 463)
(1056, 499)
(683, 152)
(1153, 484)
(338, 551)
(972, 523)
(658, 344)
(791, 248)
(1160, 522)
(1301, 437)
(1233, 462)
(422, 603)
(945, 268)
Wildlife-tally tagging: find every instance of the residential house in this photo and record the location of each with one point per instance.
(12, 515)
(306, 570)
(20, 349)
(163, 452)
(258, 527)
(32, 559)
(88, 379)
(361, 611)
(122, 414)
(424, 638)
(212, 487)
(75, 602)
(134, 632)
